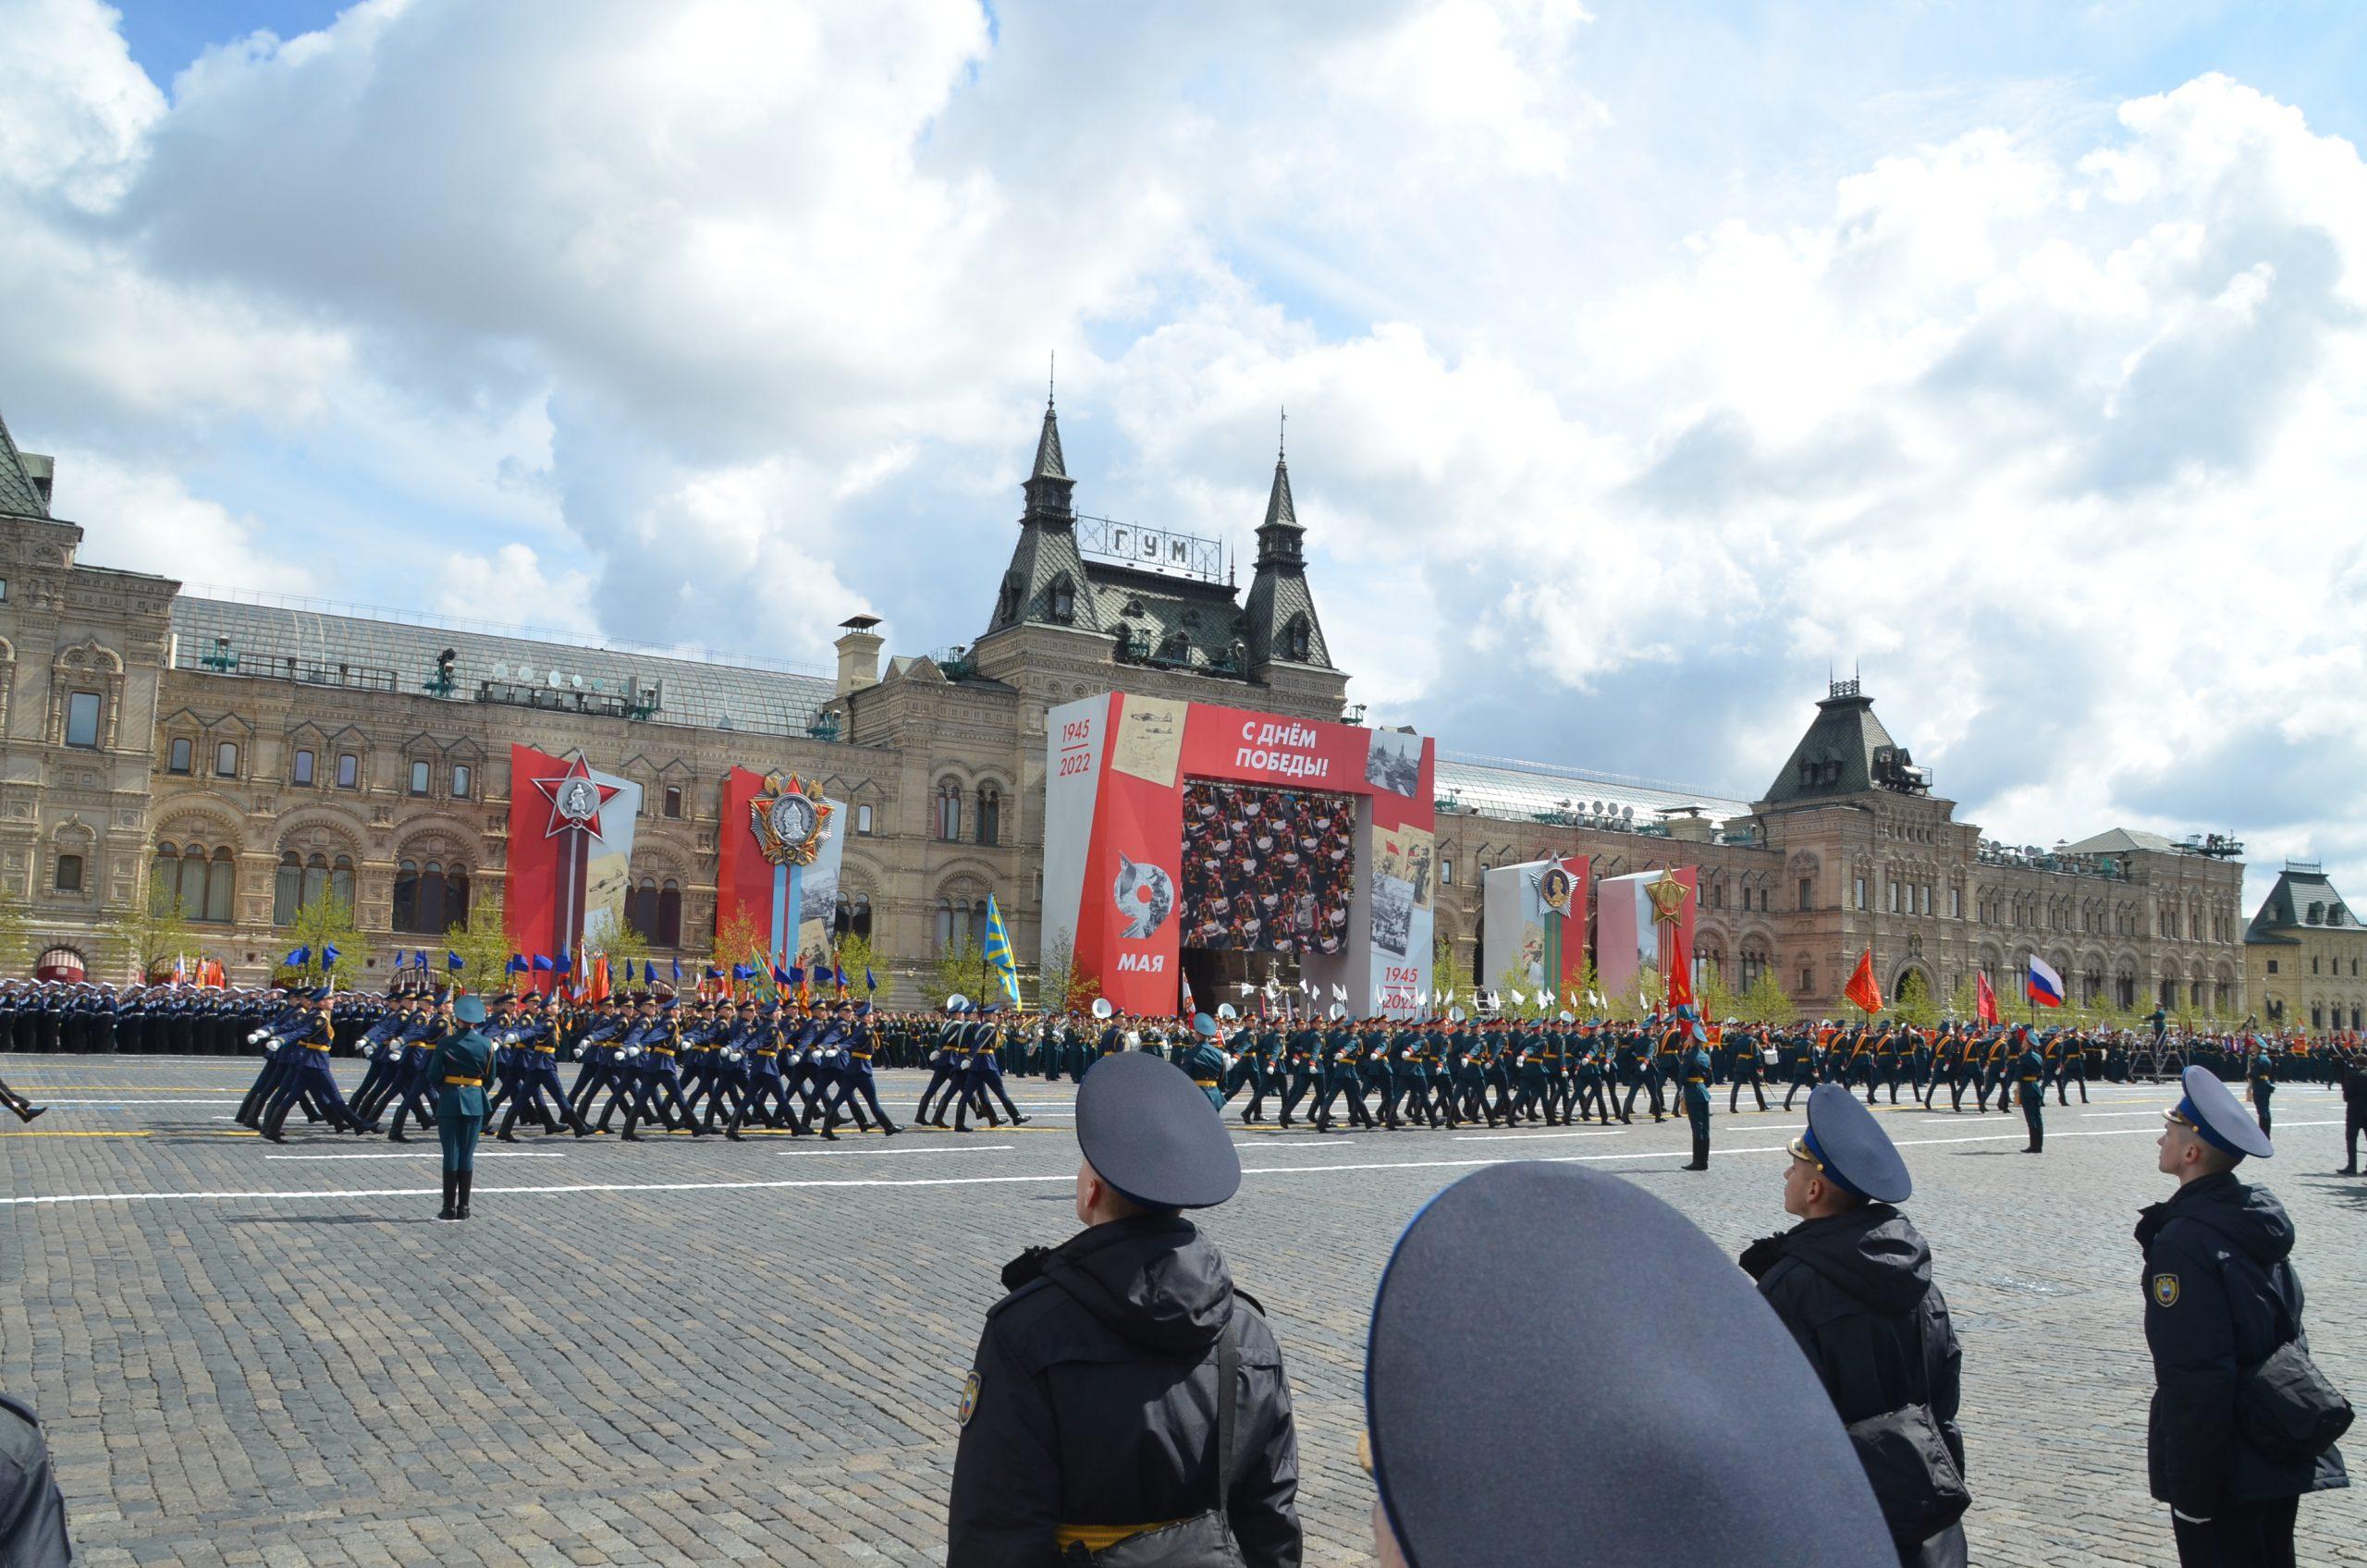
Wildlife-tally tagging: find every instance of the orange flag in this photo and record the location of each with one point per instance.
(1861, 988)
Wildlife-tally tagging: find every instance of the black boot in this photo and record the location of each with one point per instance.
(1700, 1152)
(468, 1179)
(451, 1198)
(508, 1119)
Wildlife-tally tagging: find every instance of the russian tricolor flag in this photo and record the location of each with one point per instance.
(2042, 984)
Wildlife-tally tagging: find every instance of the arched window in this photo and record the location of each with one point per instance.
(431, 896)
(225, 759)
(673, 799)
(419, 778)
(455, 896)
(859, 924)
(944, 933)
(463, 777)
(178, 759)
(302, 773)
(949, 812)
(1298, 640)
(669, 915)
(989, 814)
(192, 882)
(341, 879)
(221, 886)
(641, 908)
(978, 925)
(288, 889)
(406, 895)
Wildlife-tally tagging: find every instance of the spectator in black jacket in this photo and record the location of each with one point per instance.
(32, 1516)
(1852, 1284)
(2220, 1297)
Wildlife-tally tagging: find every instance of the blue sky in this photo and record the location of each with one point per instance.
(1642, 360)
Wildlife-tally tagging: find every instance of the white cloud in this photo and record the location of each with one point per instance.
(156, 525)
(732, 311)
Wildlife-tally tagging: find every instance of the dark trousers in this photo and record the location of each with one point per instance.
(2354, 1124)
(2260, 1104)
(1733, 1092)
(855, 1083)
(2033, 1104)
(2241, 1535)
(937, 1079)
(1302, 1085)
(1650, 1080)
(1333, 1087)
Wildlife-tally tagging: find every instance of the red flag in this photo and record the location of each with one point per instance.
(1680, 969)
(1984, 1005)
(1188, 1009)
(1861, 988)
(600, 977)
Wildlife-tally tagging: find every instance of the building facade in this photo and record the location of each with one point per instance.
(244, 755)
(2305, 954)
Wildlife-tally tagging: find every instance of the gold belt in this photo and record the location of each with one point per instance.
(1204, 1083)
(548, 1050)
(660, 1050)
(1101, 1537)
(311, 1046)
(860, 1056)
(467, 1082)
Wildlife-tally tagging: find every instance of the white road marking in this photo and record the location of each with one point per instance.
(963, 1148)
(1045, 1179)
(1524, 1137)
(214, 1099)
(423, 1154)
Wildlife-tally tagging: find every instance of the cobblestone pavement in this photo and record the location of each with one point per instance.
(692, 1353)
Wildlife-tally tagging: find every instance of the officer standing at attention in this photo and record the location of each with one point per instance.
(1127, 1401)
(2354, 1100)
(2223, 1319)
(1204, 1060)
(1693, 1072)
(1852, 1284)
(2264, 1078)
(1666, 1370)
(463, 1062)
(2029, 1076)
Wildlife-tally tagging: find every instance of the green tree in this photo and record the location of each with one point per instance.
(1645, 993)
(1516, 994)
(858, 957)
(1450, 977)
(1058, 986)
(1913, 1004)
(483, 942)
(151, 939)
(961, 968)
(1964, 1002)
(15, 946)
(740, 940)
(1767, 1001)
(1714, 996)
(326, 921)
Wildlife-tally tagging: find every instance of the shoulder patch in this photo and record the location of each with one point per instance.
(969, 1405)
(2165, 1290)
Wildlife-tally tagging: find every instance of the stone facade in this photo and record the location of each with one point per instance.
(2305, 954)
(220, 759)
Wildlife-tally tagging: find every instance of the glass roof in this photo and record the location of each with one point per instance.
(287, 640)
(1503, 787)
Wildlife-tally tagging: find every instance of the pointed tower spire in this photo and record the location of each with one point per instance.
(20, 493)
(1280, 612)
(1048, 462)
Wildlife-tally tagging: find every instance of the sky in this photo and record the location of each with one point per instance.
(1643, 362)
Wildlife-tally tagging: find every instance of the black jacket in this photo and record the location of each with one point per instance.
(32, 1516)
(1856, 1291)
(2354, 1082)
(1093, 1401)
(2216, 1255)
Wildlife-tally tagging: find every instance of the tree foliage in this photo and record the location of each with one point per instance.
(1450, 977)
(1058, 986)
(326, 921)
(151, 937)
(1767, 1001)
(483, 942)
(1913, 1004)
(15, 941)
(960, 968)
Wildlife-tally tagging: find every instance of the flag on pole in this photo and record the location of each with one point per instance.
(1680, 968)
(1861, 988)
(2042, 983)
(1186, 1009)
(297, 959)
(600, 977)
(1984, 1003)
(869, 983)
(999, 952)
(454, 962)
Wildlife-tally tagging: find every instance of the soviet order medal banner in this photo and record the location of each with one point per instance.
(1171, 825)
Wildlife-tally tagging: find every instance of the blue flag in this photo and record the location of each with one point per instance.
(780, 976)
(678, 972)
(797, 974)
(453, 960)
(869, 983)
(563, 965)
(517, 965)
(649, 973)
(418, 959)
(297, 959)
(542, 964)
(999, 952)
(328, 956)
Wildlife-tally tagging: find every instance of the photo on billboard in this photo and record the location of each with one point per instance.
(1267, 870)
(1393, 762)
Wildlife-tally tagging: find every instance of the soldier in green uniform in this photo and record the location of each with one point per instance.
(463, 1062)
(2029, 1076)
(1693, 1075)
(1203, 1059)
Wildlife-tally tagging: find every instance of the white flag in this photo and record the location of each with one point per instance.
(1421, 998)
(1516, 997)
(1338, 993)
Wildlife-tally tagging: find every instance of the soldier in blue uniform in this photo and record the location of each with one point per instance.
(310, 1076)
(2222, 1307)
(463, 1060)
(854, 1038)
(2264, 1081)
(948, 1060)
